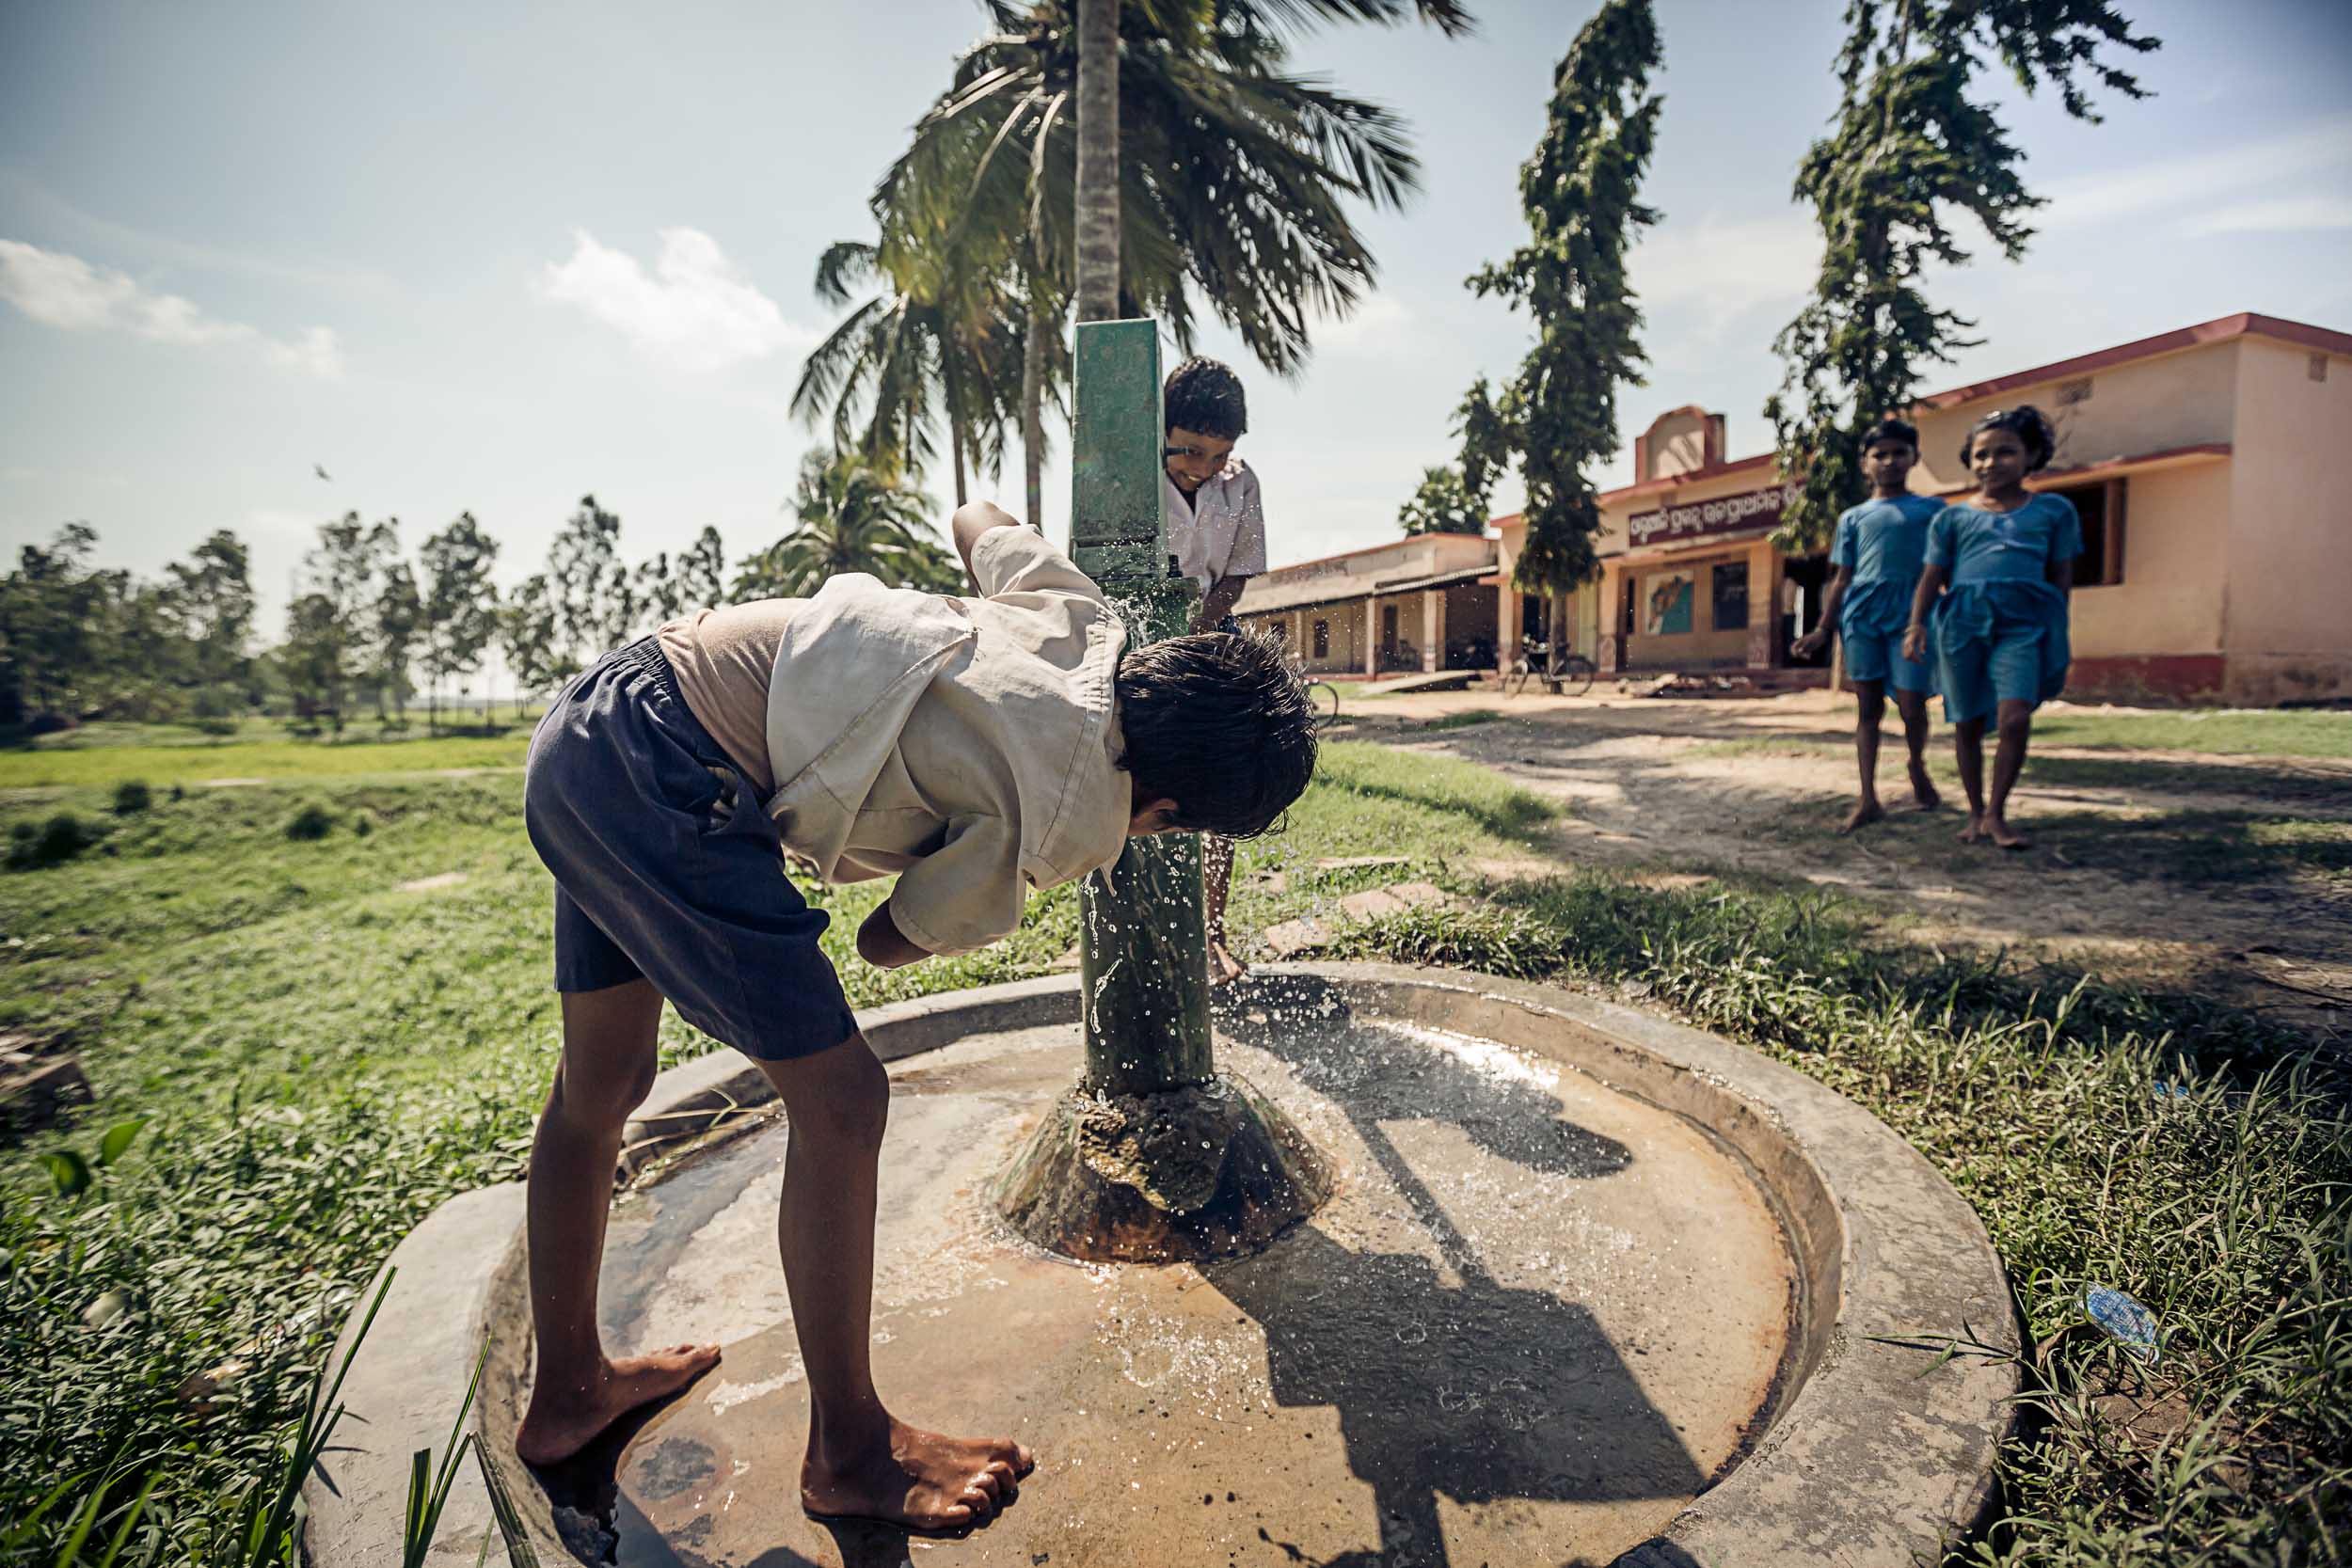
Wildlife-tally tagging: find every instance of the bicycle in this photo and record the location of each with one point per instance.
(1327, 712)
(1572, 678)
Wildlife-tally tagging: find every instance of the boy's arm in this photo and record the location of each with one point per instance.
(1818, 638)
(1218, 603)
(972, 519)
(881, 942)
(1916, 634)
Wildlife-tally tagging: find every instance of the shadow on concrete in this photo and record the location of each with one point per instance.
(1469, 1388)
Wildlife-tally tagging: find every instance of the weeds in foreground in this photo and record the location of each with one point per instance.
(2168, 1146)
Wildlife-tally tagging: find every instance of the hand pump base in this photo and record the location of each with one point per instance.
(1154, 1156)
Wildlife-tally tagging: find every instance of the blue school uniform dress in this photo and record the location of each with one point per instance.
(2000, 631)
(1883, 543)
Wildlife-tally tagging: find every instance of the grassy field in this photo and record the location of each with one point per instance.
(2222, 732)
(322, 1050)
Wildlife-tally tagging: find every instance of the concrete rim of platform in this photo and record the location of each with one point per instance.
(1874, 1454)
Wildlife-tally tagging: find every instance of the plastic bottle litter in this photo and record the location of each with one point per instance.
(2124, 1319)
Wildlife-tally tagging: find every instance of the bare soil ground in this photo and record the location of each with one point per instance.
(2226, 874)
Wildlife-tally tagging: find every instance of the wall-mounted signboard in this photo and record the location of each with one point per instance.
(1749, 512)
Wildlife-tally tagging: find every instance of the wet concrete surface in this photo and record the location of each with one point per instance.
(1536, 1319)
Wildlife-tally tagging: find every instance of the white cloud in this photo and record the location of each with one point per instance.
(69, 293)
(2286, 215)
(696, 311)
(2231, 172)
(1381, 322)
(1725, 269)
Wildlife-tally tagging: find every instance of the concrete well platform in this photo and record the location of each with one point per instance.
(1592, 1288)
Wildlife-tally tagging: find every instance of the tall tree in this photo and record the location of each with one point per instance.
(210, 597)
(340, 578)
(850, 514)
(1559, 414)
(460, 604)
(701, 571)
(1231, 176)
(1442, 504)
(49, 644)
(1909, 152)
(939, 340)
(659, 594)
(584, 570)
(528, 639)
(398, 622)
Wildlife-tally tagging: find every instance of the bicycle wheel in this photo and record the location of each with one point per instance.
(1576, 675)
(1326, 697)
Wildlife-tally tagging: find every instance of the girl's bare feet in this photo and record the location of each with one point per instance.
(1865, 813)
(1224, 966)
(1923, 788)
(1999, 832)
(917, 1481)
(562, 1421)
(1974, 830)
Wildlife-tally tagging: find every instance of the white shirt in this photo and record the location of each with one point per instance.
(1219, 531)
(970, 745)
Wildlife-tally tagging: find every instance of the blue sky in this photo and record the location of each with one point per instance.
(491, 257)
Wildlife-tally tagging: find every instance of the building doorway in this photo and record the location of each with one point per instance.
(1804, 581)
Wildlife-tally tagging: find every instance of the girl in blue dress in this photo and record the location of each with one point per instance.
(1992, 606)
(1877, 555)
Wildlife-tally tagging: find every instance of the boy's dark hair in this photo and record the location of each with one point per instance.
(1891, 430)
(1205, 395)
(1220, 724)
(2025, 421)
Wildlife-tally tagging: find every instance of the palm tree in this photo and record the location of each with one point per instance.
(1234, 174)
(851, 514)
(940, 338)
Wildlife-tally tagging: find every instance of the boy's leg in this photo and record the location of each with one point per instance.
(2016, 727)
(1913, 705)
(607, 1068)
(862, 1462)
(1217, 882)
(1968, 751)
(1870, 697)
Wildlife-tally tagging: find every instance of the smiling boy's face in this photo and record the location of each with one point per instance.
(1194, 459)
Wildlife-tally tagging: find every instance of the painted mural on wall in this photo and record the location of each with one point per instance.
(1671, 595)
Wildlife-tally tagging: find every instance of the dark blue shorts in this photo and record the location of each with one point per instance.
(667, 869)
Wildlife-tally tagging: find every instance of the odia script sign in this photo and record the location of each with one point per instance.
(1749, 512)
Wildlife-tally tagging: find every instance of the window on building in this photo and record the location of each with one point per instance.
(1323, 640)
(1731, 596)
(2101, 507)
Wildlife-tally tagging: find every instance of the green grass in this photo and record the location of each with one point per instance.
(2220, 732)
(322, 1057)
(1463, 719)
(2226, 1208)
(2168, 775)
(2217, 732)
(191, 764)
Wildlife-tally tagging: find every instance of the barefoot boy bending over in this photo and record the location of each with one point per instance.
(976, 747)
(1877, 553)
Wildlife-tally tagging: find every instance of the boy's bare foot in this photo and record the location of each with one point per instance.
(1999, 832)
(918, 1482)
(1224, 966)
(1923, 788)
(1865, 813)
(1974, 830)
(558, 1423)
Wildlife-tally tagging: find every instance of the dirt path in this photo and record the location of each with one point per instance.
(2230, 876)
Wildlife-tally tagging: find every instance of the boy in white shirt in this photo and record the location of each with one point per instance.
(978, 746)
(1216, 530)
